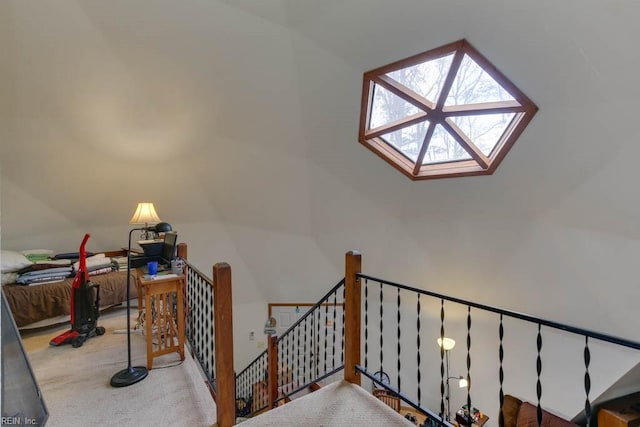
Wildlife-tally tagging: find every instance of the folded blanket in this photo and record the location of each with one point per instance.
(71, 255)
(34, 255)
(96, 261)
(36, 267)
(66, 271)
(41, 278)
(55, 262)
(44, 275)
(44, 282)
(104, 270)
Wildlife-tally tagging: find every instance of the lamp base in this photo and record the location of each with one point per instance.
(129, 376)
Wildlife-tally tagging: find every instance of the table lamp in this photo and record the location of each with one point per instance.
(145, 214)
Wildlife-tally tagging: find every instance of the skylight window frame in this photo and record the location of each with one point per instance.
(438, 113)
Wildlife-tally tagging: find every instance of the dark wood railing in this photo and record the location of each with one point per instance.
(209, 332)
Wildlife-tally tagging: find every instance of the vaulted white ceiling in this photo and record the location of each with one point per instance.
(239, 118)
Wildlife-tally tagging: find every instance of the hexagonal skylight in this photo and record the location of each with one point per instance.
(443, 113)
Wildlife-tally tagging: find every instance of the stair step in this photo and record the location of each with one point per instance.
(314, 387)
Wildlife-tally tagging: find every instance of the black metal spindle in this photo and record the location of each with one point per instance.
(539, 371)
(501, 373)
(381, 330)
(280, 374)
(304, 352)
(469, 358)
(298, 366)
(366, 324)
(587, 380)
(288, 364)
(418, 353)
(316, 356)
(325, 327)
(442, 413)
(344, 289)
(333, 336)
(399, 348)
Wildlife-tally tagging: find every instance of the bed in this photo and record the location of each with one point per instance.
(41, 304)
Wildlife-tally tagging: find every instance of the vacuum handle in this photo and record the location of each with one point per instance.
(83, 255)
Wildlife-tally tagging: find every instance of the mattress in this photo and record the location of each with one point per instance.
(34, 303)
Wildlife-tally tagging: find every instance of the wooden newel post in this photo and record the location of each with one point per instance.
(272, 360)
(225, 376)
(352, 311)
(182, 250)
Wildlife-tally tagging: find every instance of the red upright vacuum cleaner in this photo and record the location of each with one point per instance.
(84, 310)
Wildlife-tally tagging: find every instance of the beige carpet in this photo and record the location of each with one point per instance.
(76, 389)
(338, 404)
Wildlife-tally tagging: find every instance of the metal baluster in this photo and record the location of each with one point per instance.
(469, 357)
(316, 356)
(333, 337)
(587, 379)
(304, 352)
(399, 349)
(279, 373)
(501, 373)
(326, 318)
(289, 369)
(381, 331)
(442, 414)
(255, 379)
(212, 336)
(298, 329)
(539, 371)
(252, 380)
(366, 324)
(418, 342)
(265, 373)
(343, 300)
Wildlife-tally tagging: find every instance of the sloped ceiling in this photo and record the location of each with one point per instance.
(239, 120)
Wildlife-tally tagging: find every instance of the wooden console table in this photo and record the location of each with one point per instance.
(164, 314)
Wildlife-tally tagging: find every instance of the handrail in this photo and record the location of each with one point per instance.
(211, 342)
(522, 316)
(432, 416)
(308, 313)
(253, 362)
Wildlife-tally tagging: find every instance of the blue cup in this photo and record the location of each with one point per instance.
(152, 267)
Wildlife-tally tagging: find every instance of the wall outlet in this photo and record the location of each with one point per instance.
(261, 344)
(252, 336)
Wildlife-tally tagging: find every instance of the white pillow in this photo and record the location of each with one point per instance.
(6, 278)
(11, 261)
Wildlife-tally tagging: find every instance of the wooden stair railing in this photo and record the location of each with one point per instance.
(221, 376)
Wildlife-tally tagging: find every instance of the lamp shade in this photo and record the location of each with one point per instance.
(447, 343)
(145, 214)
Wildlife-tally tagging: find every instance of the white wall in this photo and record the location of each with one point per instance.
(239, 121)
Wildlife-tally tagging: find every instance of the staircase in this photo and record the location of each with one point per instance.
(366, 325)
(337, 404)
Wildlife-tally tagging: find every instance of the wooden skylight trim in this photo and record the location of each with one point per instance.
(521, 108)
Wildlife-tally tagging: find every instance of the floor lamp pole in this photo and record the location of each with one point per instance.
(132, 374)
